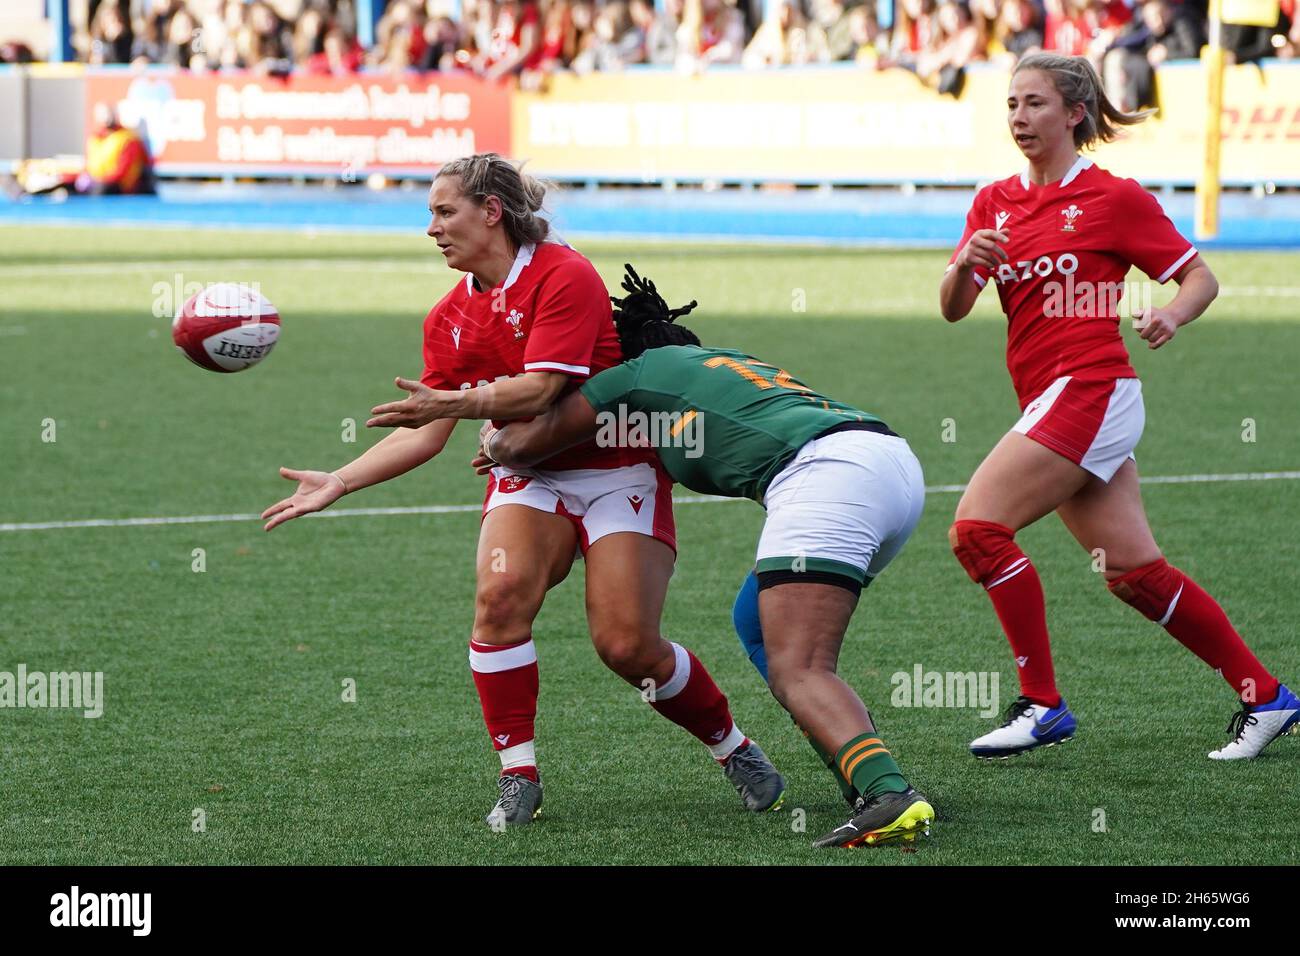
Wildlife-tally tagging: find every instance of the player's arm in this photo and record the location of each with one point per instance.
(1152, 243)
(524, 444)
(394, 455)
(522, 396)
(962, 282)
(1197, 288)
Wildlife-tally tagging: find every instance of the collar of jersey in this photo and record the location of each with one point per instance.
(1080, 164)
(522, 258)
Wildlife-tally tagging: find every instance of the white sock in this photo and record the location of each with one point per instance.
(520, 755)
(681, 674)
(725, 747)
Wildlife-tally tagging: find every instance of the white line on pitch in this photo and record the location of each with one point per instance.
(468, 509)
(1261, 291)
(220, 266)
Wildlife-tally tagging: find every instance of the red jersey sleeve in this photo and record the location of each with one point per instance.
(572, 310)
(1146, 237)
(976, 220)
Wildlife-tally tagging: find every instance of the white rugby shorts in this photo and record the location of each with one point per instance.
(1095, 424)
(599, 501)
(844, 505)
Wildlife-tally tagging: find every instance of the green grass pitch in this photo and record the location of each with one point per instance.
(224, 688)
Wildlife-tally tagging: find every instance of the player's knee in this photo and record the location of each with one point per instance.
(784, 674)
(1152, 588)
(503, 608)
(984, 549)
(630, 655)
(780, 681)
(788, 671)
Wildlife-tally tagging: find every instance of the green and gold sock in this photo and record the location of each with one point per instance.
(869, 767)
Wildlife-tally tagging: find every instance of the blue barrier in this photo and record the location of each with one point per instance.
(851, 218)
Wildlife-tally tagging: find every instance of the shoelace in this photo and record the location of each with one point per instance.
(863, 805)
(1240, 721)
(510, 787)
(1019, 707)
(744, 760)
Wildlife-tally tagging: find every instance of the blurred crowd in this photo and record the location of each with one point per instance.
(527, 40)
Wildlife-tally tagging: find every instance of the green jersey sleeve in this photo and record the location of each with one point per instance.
(611, 386)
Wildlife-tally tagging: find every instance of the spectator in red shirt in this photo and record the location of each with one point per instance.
(516, 40)
(339, 55)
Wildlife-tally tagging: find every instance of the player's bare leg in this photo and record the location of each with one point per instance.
(522, 553)
(1018, 482)
(1111, 517)
(803, 629)
(1110, 521)
(627, 582)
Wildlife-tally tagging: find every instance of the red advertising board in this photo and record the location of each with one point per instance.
(322, 125)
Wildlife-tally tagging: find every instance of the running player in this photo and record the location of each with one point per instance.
(1058, 240)
(842, 494)
(529, 322)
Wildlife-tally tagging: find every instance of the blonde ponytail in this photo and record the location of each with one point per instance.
(1077, 82)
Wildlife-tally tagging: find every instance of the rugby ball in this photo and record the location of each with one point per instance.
(226, 327)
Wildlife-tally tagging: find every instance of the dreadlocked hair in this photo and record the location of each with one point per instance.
(643, 319)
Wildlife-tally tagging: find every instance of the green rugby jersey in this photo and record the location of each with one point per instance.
(723, 422)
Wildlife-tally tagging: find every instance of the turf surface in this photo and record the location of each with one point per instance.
(224, 688)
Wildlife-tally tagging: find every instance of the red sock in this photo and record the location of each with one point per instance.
(505, 676)
(691, 700)
(1168, 596)
(1019, 603)
(991, 556)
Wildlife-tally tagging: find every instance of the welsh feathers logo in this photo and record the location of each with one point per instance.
(514, 318)
(513, 483)
(1071, 213)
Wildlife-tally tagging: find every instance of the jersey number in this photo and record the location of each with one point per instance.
(781, 379)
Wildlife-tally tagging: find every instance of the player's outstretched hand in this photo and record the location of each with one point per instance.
(984, 248)
(424, 405)
(317, 490)
(1156, 326)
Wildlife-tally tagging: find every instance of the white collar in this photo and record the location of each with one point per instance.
(1080, 164)
(522, 258)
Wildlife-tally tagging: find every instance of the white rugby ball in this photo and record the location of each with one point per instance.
(226, 327)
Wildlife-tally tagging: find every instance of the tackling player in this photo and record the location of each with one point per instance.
(529, 322)
(1057, 240)
(842, 494)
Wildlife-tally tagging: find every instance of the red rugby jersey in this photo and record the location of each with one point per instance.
(1071, 244)
(551, 314)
